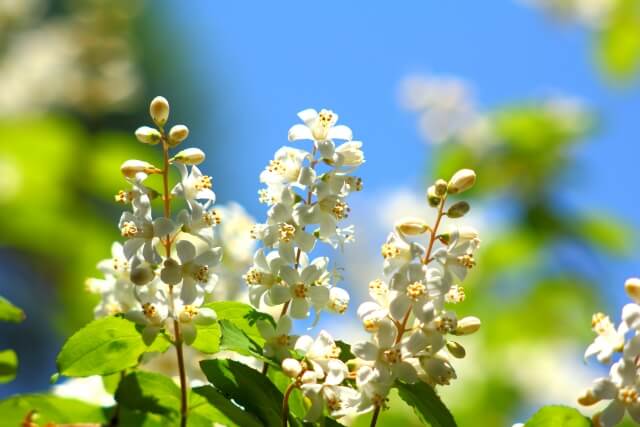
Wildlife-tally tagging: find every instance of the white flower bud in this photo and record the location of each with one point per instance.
(467, 325)
(458, 209)
(148, 135)
(308, 377)
(291, 367)
(412, 226)
(350, 153)
(456, 349)
(441, 187)
(632, 286)
(177, 134)
(159, 110)
(462, 181)
(131, 167)
(142, 274)
(171, 273)
(432, 197)
(190, 156)
(338, 300)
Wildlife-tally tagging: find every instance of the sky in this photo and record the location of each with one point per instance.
(263, 62)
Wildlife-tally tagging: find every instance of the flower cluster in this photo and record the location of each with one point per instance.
(163, 272)
(306, 192)
(409, 320)
(621, 387)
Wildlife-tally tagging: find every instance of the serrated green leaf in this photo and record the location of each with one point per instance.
(558, 416)
(149, 392)
(104, 346)
(209, 403)
(247, 387)
(9, 312)
(8, 366)
(426, 404)
(51, 409)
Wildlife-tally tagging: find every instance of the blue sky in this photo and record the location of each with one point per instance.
(263, 62)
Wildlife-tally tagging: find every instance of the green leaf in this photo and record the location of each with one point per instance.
(426, 404)
(603, 232)
(208, 339)
(558, 416)
(243, 316)
(235, 339)
(8, 366)
(618, 44)
(209, 403)
(149, 392)
(103, 347)
(9, 312)
(345, 351)
(247, 387)
(51, 409)
(111, 382)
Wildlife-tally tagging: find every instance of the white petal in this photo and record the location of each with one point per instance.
(612, 414)
(400, 304)
(284, 325)
(319, 296)
(340, 132)
(299, 308)
(186, 251)
(189, 333)
(299, 132)
(279, 295)
(266, 329)
(365, 350)
(163, 226)
(289, 275)
(149, 334)
(303, 344)
(308, 115)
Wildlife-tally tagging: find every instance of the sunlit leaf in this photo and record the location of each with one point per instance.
(149, 392)
(50, 409)
(8, 365)
(558, 416)
(9, 312)
(426, 404)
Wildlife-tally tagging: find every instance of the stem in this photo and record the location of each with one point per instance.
(285, 404)
(402, 327)
(166, 197)
(374, 419)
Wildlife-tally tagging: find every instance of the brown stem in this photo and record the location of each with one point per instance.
(166, 197)
(285, 404)
(376, 414)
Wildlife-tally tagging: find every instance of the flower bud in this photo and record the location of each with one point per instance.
(458, 209)
(291, 367)
(148, 135)
(308, 377)
(461, 181)
(177, 134)
(159, 110)
(412, 226)
(587, 398)
(142, 274)
(190, 156)
(171, 273)
(456, 349)
(467, 325)
(338, 300)
(441, 187)
(432, 197)
(632, 286)
(131, 167)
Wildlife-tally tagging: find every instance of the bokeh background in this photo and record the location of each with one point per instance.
(539, 96)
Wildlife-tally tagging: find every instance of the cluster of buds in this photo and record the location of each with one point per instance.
(306, 192)
(621, 387)
(409, 319)
(163, 272)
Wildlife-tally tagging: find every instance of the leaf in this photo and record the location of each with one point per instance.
(618, 45)
(208, 339)
(51, 409)
(558, 416)
(603, 232)
(149, 392)
(243, 316)
(102, 347)
(209, 403)
(235, 339)
(9, 312)
(247, 387)
(345, 351)
(8, 366)
(426, 404)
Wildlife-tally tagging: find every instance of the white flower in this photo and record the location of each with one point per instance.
(189, 316)
(319, 127)
(338, 300)
(196, 269)
(152, 314)
(387, 355)
(397, 252)
(263, 275)
(621, 388)
(457, 257)
(373, 389)
(285, 167)
(349, 154)
(302, 288)
(413, 291)
(142, 233)
(200, 220)
(437, 370)
(608, 341)
(193, 185)
(322, 353)
(278, 342)
(340, 400)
